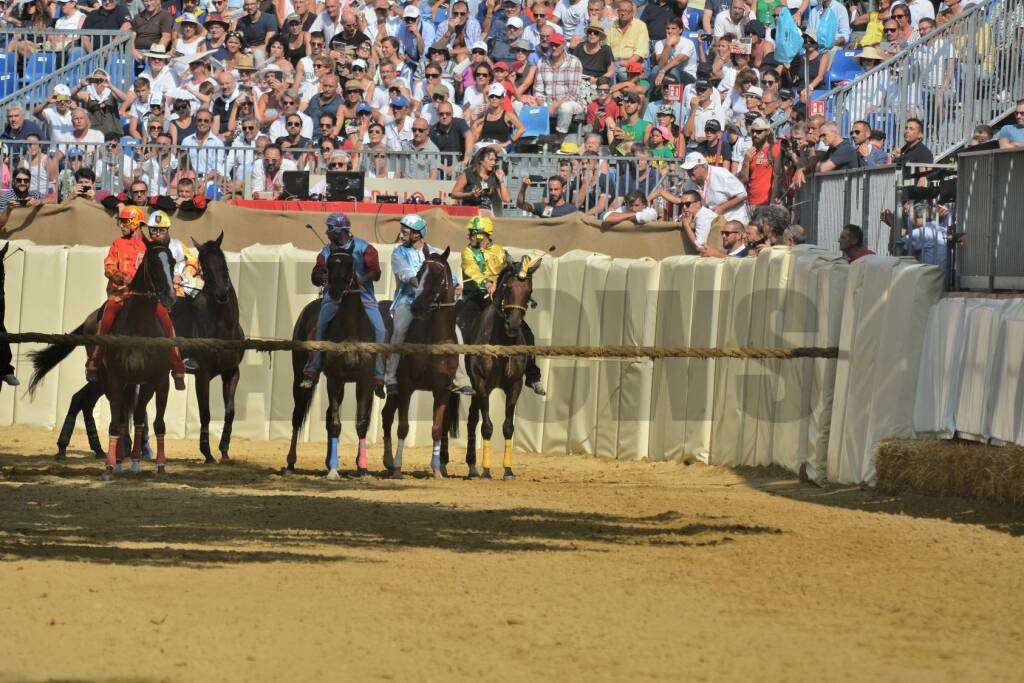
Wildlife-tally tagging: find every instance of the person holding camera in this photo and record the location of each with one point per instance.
(555, 207)
(482, 183)
(20, 194)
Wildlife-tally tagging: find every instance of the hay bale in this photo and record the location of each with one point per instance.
(952, 468)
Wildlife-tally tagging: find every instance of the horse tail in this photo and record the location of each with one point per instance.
(48, 358)
(452, 416)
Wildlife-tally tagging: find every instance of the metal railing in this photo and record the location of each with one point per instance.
(828, 201)
(990, 212)
(594, 183)
(34, 76)
(966, 73)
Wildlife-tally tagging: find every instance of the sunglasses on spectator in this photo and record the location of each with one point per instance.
(482, 74)
(592, 32)
(495, 97)
(204, 120)
(603, 91)
(690, 203)
(340, 164)
(889, 30)
(289, 102)
(458, 14)
(538, 15)
(357, 68)
(438, 98)
(21, 179)
(410, 20)
(444, 113)
(419, 130)
(139, 190)
(433, 75)
(478, 51)
(294, 124)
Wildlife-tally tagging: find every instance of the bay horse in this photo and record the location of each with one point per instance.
(216, 316)
(125, 368)
(499, 323)
(433, 312)
(349, 324)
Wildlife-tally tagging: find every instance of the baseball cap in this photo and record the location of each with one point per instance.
(62, 92)
(557, 39)
(363, 106)
(478, 45)
(500, 65)
(754, 28)
(156, 100)
(754, 91)
(411, 12)
(75, 153)
(400, 101)
(359, 63)
(188, 18)
(514, 21)
(630, 97)
(522, 45)
(760, 123)
(693, 160)
(496, 89)
(293, 18)
(666, 109)
(712, 126)
(441, 89)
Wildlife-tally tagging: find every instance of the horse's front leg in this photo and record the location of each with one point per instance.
(203, 399)
(471, 423)
(364, 403)
(230, 385)
(335, 394)
(508, 429)
(115, 430)
(387, 418)
(486, 430)
(139, 421)
(437, 431)
(159, 428)
(404, 398)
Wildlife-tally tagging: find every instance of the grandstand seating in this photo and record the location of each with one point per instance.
(8, 73)
(844, 67)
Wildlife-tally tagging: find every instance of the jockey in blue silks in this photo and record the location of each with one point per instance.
(406, 261)
(367, 271)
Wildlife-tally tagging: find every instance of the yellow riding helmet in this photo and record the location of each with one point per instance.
(134, 214)
(481, 224)
(159, 219)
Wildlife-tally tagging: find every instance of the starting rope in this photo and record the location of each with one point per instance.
(490, 350)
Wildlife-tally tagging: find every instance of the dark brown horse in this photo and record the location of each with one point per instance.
(349, 324)
(126, 368)
(216, 316)
(433, 311)
(499, 323)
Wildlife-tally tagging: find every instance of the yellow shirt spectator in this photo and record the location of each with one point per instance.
(632, 40)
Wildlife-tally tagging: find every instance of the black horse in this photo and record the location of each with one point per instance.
(349, 324)
(216, 316)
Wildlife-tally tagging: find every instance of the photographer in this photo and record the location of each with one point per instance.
(102, 100)
(19, 195)
(85, 185)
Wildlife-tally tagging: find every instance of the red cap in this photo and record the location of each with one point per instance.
(500, 65)
(557, 39)
(634, 68)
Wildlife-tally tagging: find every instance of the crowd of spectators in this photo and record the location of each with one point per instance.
(231, 94)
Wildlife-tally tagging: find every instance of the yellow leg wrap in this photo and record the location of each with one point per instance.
(507, 461)
(486, 458)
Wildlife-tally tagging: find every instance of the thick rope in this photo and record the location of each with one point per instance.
(492, 350)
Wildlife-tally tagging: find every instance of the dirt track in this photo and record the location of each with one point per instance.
(584, 568)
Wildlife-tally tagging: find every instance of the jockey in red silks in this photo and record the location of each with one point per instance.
(123, 259)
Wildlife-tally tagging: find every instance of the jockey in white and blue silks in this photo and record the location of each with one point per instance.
(367, 270)
(406, 261)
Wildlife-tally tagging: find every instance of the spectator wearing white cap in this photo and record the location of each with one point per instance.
(501, 46)
(55, 112)
(477, 56)
(415, 35)
(720, 190)
(497, 126)
(189, 41)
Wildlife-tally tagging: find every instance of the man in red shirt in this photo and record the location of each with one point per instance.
(851, 243)
(603, 108)
(759, 164)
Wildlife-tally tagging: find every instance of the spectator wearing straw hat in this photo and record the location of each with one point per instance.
(594, 55)
(162, 79)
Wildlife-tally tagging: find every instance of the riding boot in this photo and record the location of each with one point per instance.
(110, 311)
(173, 353)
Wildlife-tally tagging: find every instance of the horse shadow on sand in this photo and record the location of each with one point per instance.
(212, 516)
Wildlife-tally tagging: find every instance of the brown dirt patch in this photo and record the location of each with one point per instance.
(584, 568)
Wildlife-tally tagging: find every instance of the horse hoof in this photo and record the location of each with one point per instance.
(444, 471)
(509, 476)
(62, 453)
(396, 473)
(210, 460)
(136, 467)
(332, 475)
(161, 473)
(117, 467)
(224, 459)
(439, 474)
(287, 471)
(474, 473)
(99, 455)
(363, 473)
(108, 475)
(486, 474)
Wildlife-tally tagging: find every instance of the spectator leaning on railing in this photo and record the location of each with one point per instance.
(1012, 134)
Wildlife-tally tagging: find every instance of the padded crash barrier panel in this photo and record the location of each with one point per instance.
(823, 413)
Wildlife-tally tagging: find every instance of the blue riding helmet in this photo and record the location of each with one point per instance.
(336, 222)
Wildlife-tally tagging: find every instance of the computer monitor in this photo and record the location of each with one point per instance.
(296, 185)
(345, 186)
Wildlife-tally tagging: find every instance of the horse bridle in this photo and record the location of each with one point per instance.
(445, 286)
(350, 257)
(499, 301)
(149, 279)
(216, 299)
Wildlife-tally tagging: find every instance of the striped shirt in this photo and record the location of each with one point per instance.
(558, 82)
(9, 196)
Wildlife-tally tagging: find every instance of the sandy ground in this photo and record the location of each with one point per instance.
(583, 569)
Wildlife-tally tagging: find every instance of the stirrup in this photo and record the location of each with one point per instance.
(92, 374)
